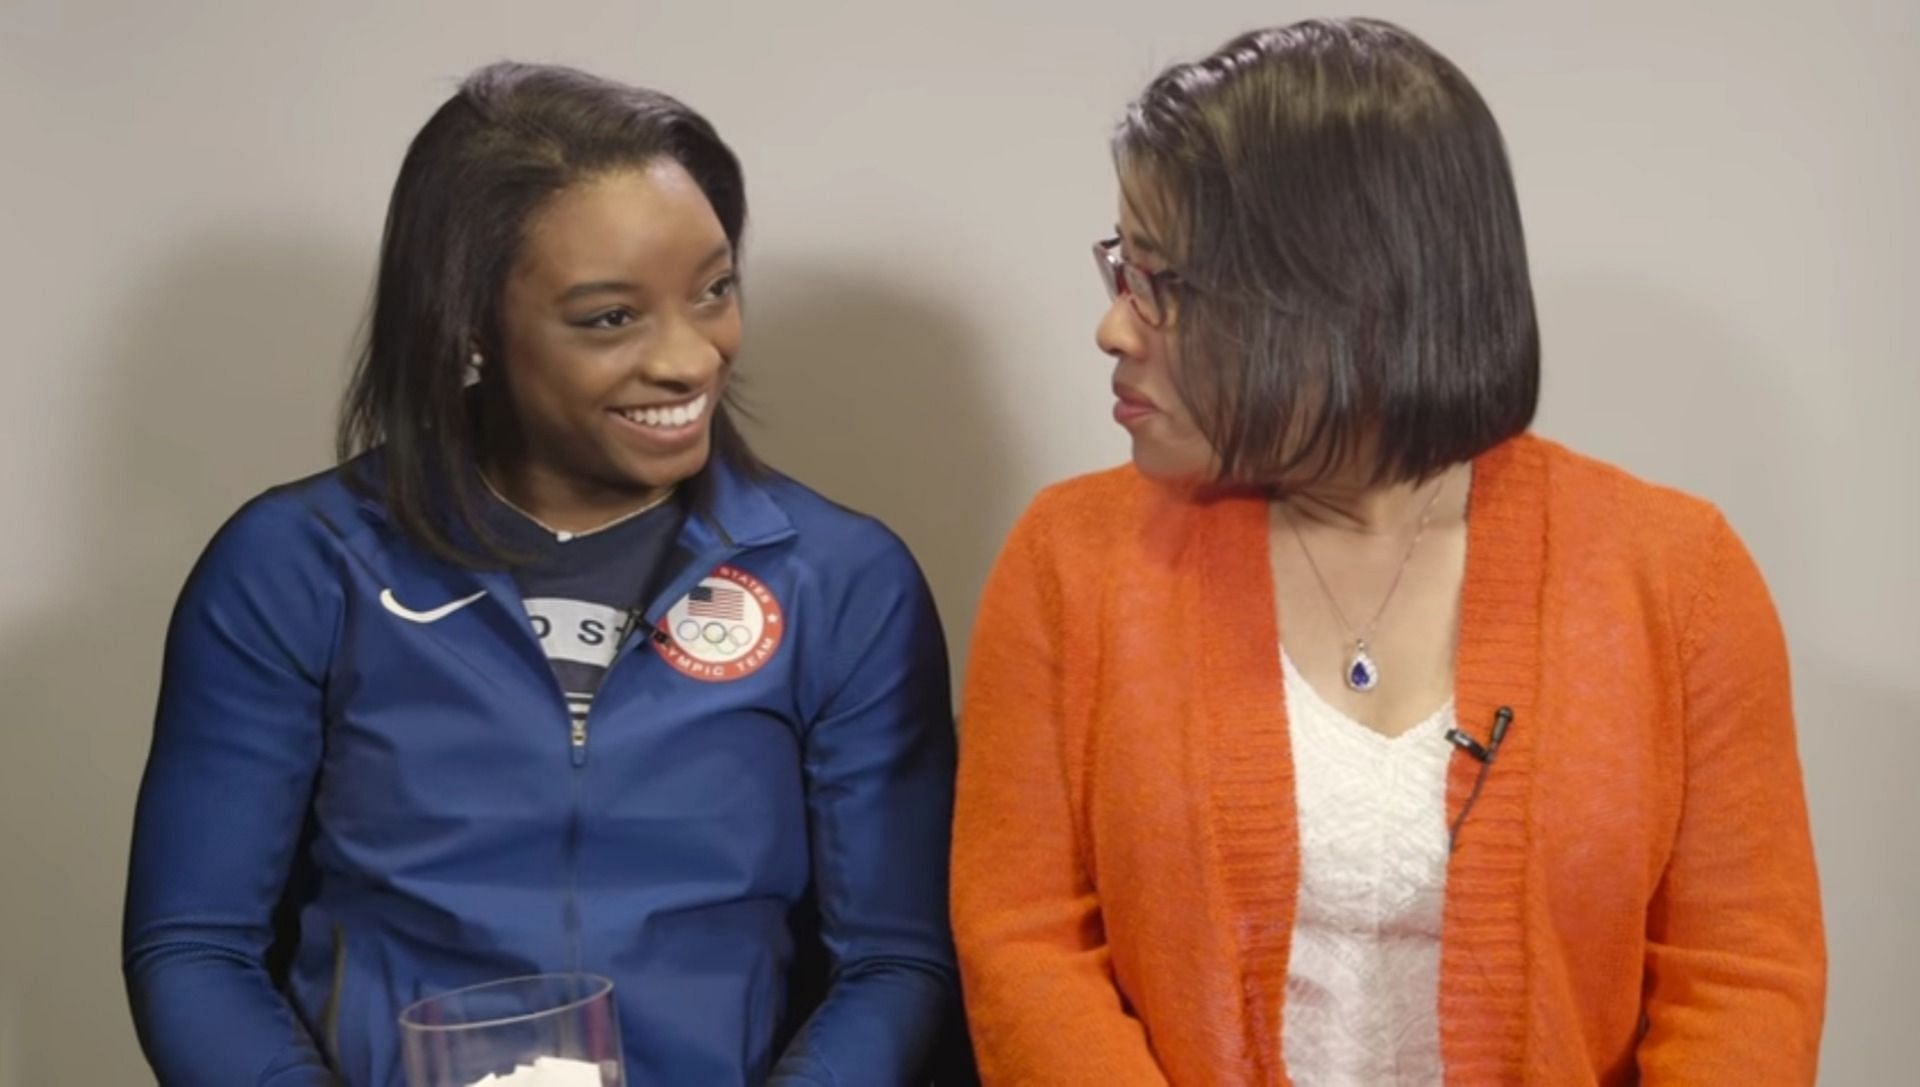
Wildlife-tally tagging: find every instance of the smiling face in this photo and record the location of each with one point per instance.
(619, 322)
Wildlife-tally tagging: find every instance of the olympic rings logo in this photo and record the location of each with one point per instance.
(728, 627)
(719, 635)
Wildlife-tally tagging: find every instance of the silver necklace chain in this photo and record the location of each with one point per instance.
(1362, 674)
(562, 535)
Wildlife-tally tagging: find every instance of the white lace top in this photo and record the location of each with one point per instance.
(1363, 977)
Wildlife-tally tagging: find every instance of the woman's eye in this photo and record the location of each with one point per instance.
(613, 318)
(721, 288)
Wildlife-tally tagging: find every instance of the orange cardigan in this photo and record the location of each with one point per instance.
(1633, 897)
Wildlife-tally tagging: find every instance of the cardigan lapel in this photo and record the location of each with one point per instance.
(1483, 977)
(1251, 813)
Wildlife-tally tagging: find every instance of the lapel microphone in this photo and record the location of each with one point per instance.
(1482, 753)
(1502, 718)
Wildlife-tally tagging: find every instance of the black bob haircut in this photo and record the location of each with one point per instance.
(1352, 278)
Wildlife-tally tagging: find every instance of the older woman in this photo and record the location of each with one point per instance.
(1352, 734)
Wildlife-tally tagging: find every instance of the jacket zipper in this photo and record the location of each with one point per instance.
(577, 740)
(575, 952)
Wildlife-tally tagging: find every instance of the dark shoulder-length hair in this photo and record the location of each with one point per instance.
(508, 140)
(1353, 278)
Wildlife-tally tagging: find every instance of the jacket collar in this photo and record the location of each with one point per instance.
(740, 509)
(734, 512)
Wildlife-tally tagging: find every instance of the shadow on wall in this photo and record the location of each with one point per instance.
(222, 377)
(875, 395)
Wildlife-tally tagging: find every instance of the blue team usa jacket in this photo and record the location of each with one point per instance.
(380, 731)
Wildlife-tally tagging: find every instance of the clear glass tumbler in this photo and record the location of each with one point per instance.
(547, 1030)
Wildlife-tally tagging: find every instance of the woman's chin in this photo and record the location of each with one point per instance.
(658, 472)
(1172, 467)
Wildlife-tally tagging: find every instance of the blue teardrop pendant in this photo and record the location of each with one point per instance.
(1362, 674)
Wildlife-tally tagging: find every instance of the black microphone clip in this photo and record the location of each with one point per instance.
(1502, 718)
(1468, 744)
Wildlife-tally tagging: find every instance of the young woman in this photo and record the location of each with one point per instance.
(1352, 735)
(550, 673)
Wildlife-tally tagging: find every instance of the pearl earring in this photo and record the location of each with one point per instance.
(478, 360)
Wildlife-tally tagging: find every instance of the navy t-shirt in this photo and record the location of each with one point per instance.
(585, 593)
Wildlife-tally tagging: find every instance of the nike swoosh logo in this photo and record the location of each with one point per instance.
(388, 602)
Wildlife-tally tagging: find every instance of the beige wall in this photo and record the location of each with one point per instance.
(1720, 201)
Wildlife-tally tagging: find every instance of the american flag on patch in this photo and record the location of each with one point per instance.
(707, 602)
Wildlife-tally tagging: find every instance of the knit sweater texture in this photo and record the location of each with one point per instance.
(1632, 898)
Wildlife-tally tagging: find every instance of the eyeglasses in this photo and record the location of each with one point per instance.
(1147, 292)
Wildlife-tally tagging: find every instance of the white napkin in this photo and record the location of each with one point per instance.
(546, 1072)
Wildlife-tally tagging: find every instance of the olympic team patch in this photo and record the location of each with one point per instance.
(727, 628)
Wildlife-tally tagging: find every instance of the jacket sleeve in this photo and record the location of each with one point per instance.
(1041, 999)
(879, 764)
(1736, 960)
(236, 744)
